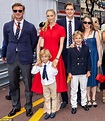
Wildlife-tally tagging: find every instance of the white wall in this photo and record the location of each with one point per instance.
(34, 13)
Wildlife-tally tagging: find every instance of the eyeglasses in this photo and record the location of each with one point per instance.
(15, 11)
(87, 22)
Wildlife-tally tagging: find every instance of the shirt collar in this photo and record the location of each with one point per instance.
(79, 46)
(21, 22)
(67, 19)
(45, 63)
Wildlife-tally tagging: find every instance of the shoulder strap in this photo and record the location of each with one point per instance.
(94, 34)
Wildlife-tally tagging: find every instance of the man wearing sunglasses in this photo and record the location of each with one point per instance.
(20, 39)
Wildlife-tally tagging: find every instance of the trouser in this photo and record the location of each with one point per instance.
(14, 77)
(47, 90)
(82, 79)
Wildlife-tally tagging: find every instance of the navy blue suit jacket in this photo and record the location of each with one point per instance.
(78, 26)
(78, 62)
(26, 43)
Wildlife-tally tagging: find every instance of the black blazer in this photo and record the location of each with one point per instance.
(78, 26)
(78, 62)
(26, 43)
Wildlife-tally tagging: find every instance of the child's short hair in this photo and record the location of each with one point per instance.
(76, 33)
(45, 52)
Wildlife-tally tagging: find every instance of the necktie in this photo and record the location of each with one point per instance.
(70, 33)
(44, 73)
(17, 31)
(79, 48)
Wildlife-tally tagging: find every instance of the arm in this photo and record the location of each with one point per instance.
(5, 44)
(34, 37)
(59, 51)
(99, 48)
(35, 69)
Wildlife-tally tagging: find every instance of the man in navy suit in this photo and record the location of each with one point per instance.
(76, 25)
(20, 39)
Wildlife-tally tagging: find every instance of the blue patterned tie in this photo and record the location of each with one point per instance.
(70, 33)
(44, 73)
(17, 31)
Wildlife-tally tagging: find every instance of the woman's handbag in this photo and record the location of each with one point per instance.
(100, 77)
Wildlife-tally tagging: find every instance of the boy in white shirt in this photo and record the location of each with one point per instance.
(48, 73)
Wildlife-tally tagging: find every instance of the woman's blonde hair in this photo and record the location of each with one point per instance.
(45, 52)
(44, 28)
(76, 33)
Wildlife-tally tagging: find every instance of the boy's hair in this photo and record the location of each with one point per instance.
(45, 52)
(71, 4)
(18, 4)
(76, 33)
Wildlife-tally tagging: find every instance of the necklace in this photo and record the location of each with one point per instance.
(88, 34)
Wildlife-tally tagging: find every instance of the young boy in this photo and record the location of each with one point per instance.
(48, 73)
(79, 67)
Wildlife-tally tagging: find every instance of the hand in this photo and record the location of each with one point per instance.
(54, 63)
(72, 45)
(99, 63)
(70, 75)
(4, 60)
(88, 74)
(38, 63)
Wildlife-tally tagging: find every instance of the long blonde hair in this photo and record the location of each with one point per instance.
(44, 28)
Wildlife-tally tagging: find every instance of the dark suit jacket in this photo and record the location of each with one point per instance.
(26, 43)
(78, 62)
(78, 26)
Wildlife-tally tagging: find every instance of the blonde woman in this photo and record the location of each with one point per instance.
(52, 38)
(92, 39)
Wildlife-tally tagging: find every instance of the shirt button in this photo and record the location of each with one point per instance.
(77, 63)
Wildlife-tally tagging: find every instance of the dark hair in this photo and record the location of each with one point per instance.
(71, 4)
(92, 26)
(41, 24)
(18, 4)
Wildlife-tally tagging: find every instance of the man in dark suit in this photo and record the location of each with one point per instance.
(78, 68)
(76, 25)
(20, 39)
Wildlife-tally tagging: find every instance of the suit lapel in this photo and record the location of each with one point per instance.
(65, 24)
(23, 28)
(11, 28)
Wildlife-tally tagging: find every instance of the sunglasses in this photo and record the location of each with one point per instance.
(96, 22)
(87, 22)
(15, 11)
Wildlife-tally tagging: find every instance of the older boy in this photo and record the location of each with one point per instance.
(78, 70)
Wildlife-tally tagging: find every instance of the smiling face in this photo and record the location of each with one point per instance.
(44, 58)
(18, 12)
(78, 39)
(50, 14)
(69, 11)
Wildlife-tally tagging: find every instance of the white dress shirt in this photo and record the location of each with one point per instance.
(15, 27)
(51, 73)
(73, 29)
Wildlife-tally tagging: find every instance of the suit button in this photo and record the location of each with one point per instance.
(82, 58)
(82, 63)
(78, 58)
(77, 63)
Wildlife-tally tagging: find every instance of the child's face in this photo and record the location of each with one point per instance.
(78, 40)
(44, 58)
